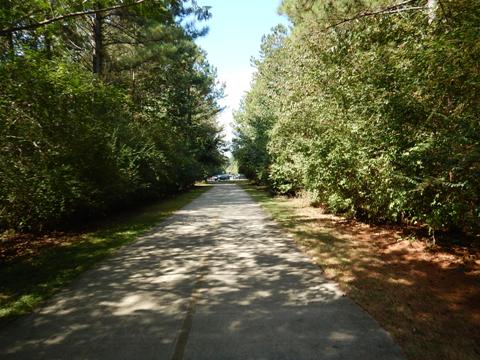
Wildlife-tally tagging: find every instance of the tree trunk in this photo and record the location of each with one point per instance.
(97, 59)
(48, 44)
(48, 34)
(11, 46)
(432, 10)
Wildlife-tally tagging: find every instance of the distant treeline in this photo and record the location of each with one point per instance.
(372, 108)
(102, 103)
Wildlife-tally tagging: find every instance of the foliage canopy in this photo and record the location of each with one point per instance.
(101, 109)
(376, 116)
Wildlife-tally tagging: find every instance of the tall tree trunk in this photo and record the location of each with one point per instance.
(97, 59)
(11, 46)
(48, 34)
(432, 10)
(48, 44)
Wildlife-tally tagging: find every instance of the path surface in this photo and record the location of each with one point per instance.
(218, 280)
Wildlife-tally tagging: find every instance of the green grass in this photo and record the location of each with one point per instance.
(27, 281)
(279, 208)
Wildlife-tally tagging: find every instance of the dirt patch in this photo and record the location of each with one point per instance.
(427, 296)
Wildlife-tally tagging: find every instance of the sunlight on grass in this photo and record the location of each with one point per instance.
(26, 281)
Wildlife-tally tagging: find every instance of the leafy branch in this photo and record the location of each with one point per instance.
(32, 26)
(393, 9)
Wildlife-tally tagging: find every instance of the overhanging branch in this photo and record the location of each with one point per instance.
(393, 9)
(10, 30)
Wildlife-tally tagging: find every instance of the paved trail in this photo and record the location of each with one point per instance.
(218, 280)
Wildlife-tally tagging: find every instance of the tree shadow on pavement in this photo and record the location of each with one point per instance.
(427, 298)
(249, 291)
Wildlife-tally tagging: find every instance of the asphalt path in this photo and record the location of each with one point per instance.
(217, 280)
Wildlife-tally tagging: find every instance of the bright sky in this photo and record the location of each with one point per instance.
(236, 30)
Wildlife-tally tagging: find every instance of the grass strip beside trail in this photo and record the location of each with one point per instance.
(28, 280)
(426, 298)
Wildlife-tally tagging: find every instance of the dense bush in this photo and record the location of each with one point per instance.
(376, 117)
(76, 143)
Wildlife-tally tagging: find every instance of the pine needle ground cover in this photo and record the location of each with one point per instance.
(33, 267)
(426, 296)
